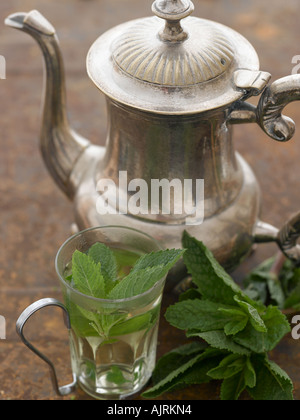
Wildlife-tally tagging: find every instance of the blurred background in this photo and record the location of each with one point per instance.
(35, 216)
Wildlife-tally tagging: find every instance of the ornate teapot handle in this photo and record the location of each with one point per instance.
(272, 102)
(268, 113)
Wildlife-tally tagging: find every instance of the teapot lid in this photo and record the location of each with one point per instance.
(175, 68)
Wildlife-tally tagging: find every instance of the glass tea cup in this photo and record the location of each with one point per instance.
(117, 359)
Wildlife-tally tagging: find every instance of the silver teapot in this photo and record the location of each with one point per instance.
(174, 86)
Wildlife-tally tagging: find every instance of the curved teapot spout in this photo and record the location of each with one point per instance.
(61, 147)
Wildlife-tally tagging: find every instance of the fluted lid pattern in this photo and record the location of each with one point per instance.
(203, 56)
(174, 64)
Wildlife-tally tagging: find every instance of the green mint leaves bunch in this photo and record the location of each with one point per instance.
(275, 281)
(236, 335)
(97, 274)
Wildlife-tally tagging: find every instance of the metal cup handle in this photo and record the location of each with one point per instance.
(23, 318)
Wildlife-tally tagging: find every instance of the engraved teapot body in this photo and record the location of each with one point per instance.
(174, 85)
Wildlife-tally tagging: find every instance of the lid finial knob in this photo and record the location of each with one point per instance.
(173, 11)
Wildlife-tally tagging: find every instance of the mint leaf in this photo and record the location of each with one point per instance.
(234, 384)
(229, 366)
(238, 321)
(80, 323)
(202, 315)
(218, 339)
(249, 374)
(232, 387)
(137, 282)
(87, 276)
(169, 381)
(208, 275)
(293, 299)
(237, 373)
(166, 258)
(177, 357)
(198, 374)
(88, 279)
(273, 384)
(234, 327)
(262, 342)
(102, 323)
(275, 289)
(125, 261)
(255, 319)
(86, 323)
(146, 273)
(137, 323)
(185, 374)
(116, 376)
(277, 326)
(103, 255)
(257, 291)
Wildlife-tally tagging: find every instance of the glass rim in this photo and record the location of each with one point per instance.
(92, 298)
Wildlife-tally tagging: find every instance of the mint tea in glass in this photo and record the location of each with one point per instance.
(112, 281)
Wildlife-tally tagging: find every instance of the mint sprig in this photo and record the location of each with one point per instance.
(95, 274)
(276, 281)
(238, 331)
(103, 255)
(138, 282)
(87, 276)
